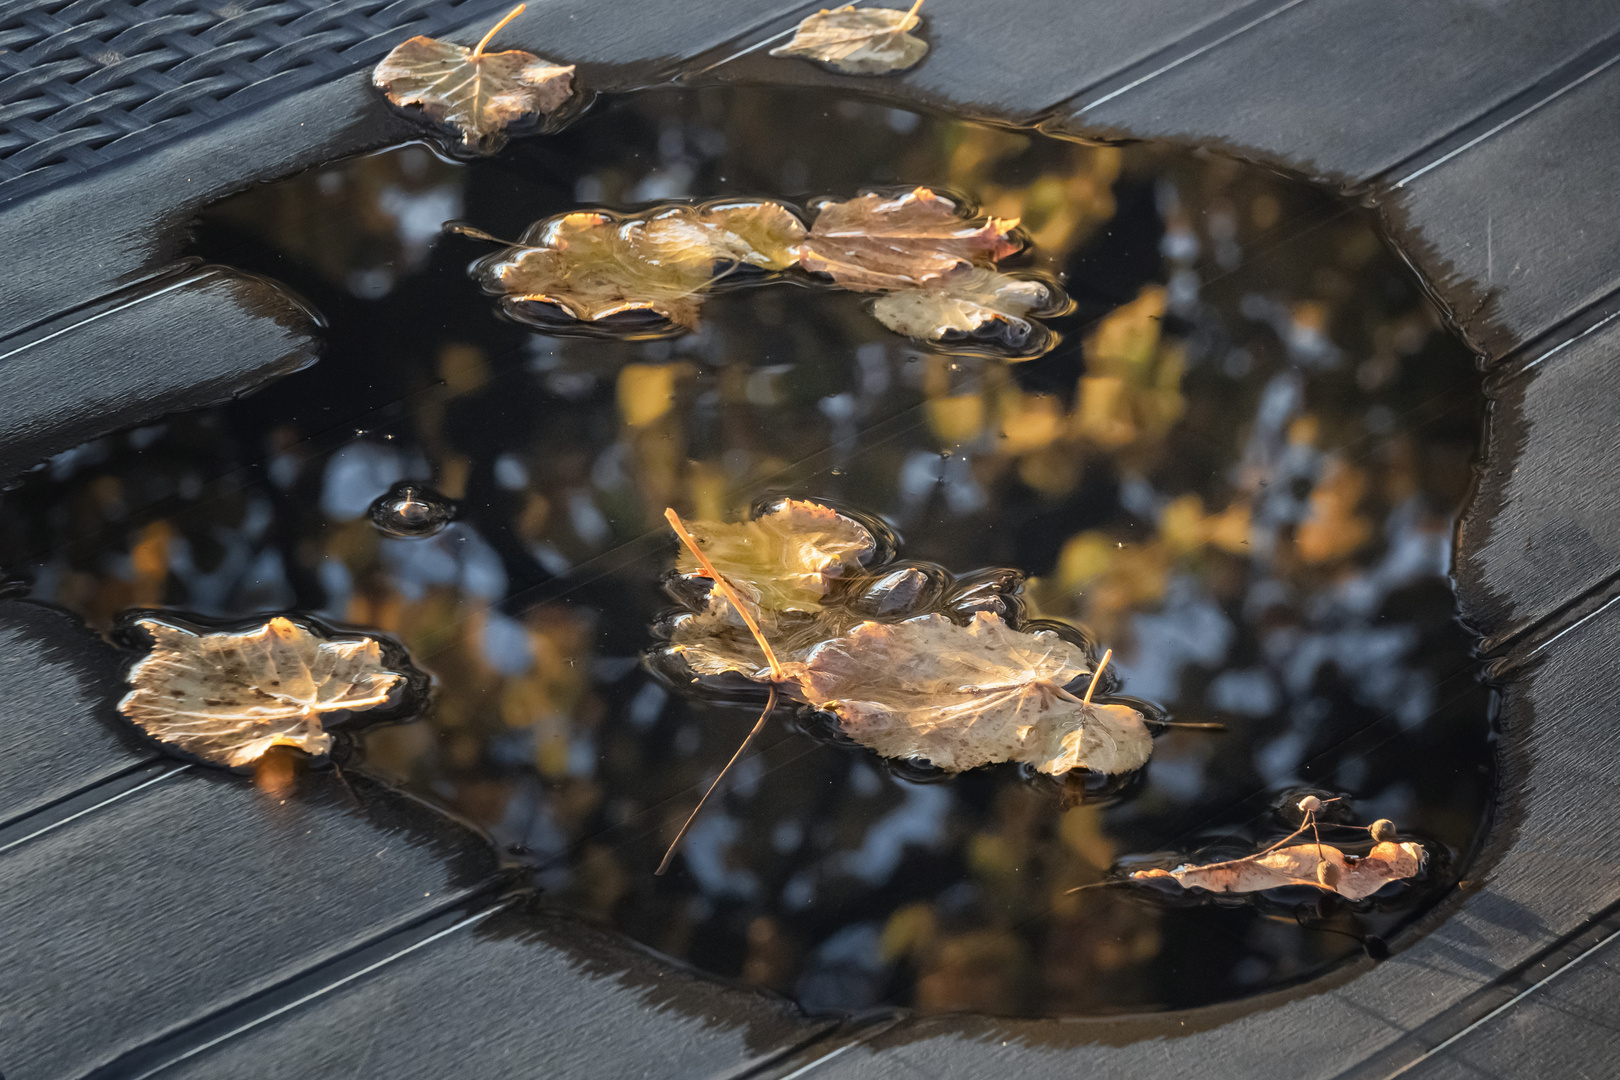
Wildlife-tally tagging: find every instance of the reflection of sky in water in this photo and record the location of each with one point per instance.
(1296, 386)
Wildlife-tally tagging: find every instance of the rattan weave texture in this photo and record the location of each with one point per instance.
(87, 82)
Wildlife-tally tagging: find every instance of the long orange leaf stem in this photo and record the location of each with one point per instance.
(674, 519)
(478, 50)
(1095, 675)
(759, 725)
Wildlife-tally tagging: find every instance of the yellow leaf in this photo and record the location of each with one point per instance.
(593, 265)
(783, 559)
(229, 697)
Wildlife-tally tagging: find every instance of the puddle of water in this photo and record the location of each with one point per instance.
(1238, 467)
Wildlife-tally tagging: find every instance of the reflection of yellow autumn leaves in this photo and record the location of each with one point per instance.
(1101, 580)
(1334, 529)
(1060, 207)
(1132, 387)
(1128, 399)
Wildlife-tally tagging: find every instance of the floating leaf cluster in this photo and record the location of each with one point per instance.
(929, 257)
(914, 668)
(904, 670)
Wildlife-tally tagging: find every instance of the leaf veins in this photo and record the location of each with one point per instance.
(859, 41)
(229, 697)
(479, 94)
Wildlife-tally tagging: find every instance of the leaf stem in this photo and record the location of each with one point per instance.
(1095, 675)
(911, 16)
(674, 519)
(770, 703)
(456, 228)
(478, 50)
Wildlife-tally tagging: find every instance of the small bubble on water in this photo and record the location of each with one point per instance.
(411, 510)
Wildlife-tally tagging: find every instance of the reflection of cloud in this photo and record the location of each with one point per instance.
(919, 820)
(845, 971)
(507, 648)
(1190, 628)
(355, 476)
(418, 216)
(458, 557)
(1251, 692)
(707, 853)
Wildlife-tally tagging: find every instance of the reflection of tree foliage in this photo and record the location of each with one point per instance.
(1238, 469)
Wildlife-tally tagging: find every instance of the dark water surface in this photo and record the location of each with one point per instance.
(1239, 468)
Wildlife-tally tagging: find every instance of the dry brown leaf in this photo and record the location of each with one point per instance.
(229, 697)
(884, 243)
(593, 265)
(1321, 866)
(859, 41)
(480, 94)
(976, 306)
(783, 559)
(717, 643)
(965, 696)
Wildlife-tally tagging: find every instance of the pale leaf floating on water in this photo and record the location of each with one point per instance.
(965, 696)
(479, 94)
(976, 305)
(1317, 865)
(592, 265)
(859, 41)
(229, 697)
(783, 559)
(881, 243)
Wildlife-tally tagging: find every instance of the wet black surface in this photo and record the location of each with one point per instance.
(1242, 479)
(1549, 863)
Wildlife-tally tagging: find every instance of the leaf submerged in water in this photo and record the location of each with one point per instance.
(1318, 865)
(859, 41)
(965, 696)
(479, 94)
(593, 265)
(229, 697)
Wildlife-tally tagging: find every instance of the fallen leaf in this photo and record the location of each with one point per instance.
(479, 94)
(965, 696)
(229, 697)
(783, 559)
(716, 643)
(884, 243)
(1321, 866)
(859, 41)
(593, 265)
(763, 233)
(975, 306)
